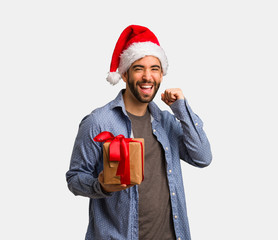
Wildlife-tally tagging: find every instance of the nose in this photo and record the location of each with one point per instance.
(147, 75)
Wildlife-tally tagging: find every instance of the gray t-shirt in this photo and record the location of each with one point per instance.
(155, 215)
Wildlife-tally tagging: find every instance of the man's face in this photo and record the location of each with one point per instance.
(143, 78)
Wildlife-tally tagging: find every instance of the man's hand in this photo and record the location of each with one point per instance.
(111, 187)
(171, 95)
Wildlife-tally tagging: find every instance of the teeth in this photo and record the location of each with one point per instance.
(146, 87)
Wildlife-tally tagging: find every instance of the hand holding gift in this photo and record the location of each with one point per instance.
(111, 187)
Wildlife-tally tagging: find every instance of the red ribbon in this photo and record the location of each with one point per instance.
(119, 151)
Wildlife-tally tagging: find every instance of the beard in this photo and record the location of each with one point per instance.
(143, 98)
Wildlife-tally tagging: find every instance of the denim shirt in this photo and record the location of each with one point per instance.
(115, 215)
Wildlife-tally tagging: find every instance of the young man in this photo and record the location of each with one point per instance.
(156, 208)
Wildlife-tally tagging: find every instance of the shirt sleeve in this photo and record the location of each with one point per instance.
(86, 162)
(194, 146)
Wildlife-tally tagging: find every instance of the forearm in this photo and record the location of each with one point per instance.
(84, 184)
(194, 145)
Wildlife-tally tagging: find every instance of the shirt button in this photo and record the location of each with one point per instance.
(179, 238)
(170, 171)
(173, 194)
(166, 148)
(176, 216)
(196, 124)
(154, 130)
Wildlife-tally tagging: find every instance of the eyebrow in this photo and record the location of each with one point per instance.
(141, 66)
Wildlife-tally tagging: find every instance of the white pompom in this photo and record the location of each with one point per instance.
(113, 77)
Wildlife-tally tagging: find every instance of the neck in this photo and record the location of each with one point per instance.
(133, 106)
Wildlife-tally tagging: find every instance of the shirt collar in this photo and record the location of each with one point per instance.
(119, 102)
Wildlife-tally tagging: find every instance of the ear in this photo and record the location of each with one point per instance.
(161, 76)
(125, 77)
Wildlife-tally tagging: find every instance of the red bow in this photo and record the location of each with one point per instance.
(119, 151)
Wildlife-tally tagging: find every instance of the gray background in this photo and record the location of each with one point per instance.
(54, 57)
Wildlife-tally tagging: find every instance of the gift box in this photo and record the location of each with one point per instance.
(135, 164)
(123, 159)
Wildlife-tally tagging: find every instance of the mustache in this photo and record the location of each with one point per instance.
(145, 81)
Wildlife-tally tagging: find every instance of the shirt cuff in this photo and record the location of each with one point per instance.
(100, 192)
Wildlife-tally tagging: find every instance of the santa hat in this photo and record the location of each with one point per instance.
(134, 43)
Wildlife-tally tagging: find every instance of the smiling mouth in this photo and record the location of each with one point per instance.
(146, 89)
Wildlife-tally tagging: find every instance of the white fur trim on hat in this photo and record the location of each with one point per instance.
(139, 50)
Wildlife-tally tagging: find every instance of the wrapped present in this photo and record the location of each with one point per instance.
(123, 159)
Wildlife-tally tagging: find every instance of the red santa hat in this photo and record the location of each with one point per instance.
(134, 43)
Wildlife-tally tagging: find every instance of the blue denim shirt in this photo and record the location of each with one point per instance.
(115, 215)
